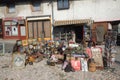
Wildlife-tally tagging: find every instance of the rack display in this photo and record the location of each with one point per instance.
(63, 36)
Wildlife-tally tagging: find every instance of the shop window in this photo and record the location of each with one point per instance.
(63, 4)
(36, 6)
(22, 27)
(14, 31)
(11, 28)
(11, 8)
(119, 28)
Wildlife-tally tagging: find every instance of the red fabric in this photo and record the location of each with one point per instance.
(76, 65)
(88, 51)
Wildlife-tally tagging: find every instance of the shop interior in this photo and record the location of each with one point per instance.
(116, 28)
(64, 33)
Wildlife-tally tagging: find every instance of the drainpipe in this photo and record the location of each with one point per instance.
(52, 8)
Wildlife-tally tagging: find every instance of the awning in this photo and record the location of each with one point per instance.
(70, 22)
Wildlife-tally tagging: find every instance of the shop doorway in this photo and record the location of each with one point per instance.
(39, 29)
(79, 33)
(64, 33)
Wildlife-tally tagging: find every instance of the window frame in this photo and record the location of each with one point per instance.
(63, 3)
(118, 28)
(11, 5)
(9, 28)
(32, 6)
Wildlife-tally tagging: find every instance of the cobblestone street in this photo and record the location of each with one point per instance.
(59, 39)
(40, 71)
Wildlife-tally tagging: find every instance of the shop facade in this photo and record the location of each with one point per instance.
(99, 30)
(14, 28)
(39, 27)
(75, 30)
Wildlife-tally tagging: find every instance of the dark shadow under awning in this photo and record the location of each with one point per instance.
(70, 22)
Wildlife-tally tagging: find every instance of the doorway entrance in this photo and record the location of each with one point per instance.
(64, 33)
(39, 29)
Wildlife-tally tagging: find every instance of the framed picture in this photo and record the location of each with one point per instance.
(97, 56)
(18, 60)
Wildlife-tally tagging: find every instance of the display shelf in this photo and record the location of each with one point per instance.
(66, 36)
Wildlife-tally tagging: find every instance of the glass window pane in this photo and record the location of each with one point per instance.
(14, 31)
(7, 31)
(119, 28)
(36, 6)
(22, 31)
(14, 23)
(66, 4)
(11, 8)
(60, 4)
(7, 22)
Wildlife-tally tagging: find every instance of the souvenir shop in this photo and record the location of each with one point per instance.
(14, 28)
(70, 52)
(75, 30)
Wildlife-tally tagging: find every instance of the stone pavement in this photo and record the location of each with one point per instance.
(8, 45)
(53, 73)
(40, 71)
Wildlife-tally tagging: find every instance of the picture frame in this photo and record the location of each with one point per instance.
(97, 56)
(18, 60)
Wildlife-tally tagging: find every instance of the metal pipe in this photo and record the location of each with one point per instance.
(52, 7)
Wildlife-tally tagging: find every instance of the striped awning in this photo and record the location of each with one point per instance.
(70, 22)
